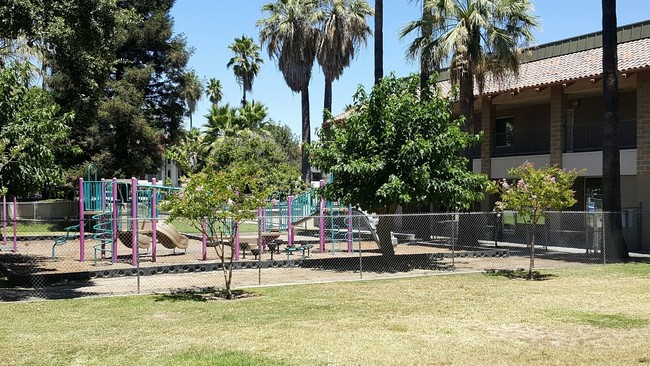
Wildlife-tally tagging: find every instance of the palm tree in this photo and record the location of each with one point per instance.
(222, 121)
(419, 48)
(290, 37)
(245, 63)
(616, 248)
(379, 40)
(192, 92)
(343, 29)
(214, 91)
(472, 37)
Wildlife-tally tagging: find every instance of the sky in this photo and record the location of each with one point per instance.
(211, 25)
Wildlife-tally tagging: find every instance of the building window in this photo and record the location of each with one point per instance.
(504, 132)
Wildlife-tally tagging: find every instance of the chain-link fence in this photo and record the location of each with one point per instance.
(56, 259)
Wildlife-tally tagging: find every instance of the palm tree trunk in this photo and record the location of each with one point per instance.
(467, 99)
(616, 249)
(243, 99)
(379, 40)
(327, 103)
(306, 134)
(425, 68)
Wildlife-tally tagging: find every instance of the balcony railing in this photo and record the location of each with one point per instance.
(589, 137)
(531, 142)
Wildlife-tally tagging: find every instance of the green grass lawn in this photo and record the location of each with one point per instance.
(597, 315)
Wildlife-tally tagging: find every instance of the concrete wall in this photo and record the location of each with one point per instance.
(44, 210)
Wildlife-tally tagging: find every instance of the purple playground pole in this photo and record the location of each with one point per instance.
(134, 221)
(321, 222)
(154, 220)
(236, 241)
(15, 224)
(259, 230)
(82, 223)
(349, 229)
(114, 231)
(204, 247)
(4, 220)
(289, 221)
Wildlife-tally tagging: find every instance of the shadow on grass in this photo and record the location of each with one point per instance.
(520, 274)
(203, 294)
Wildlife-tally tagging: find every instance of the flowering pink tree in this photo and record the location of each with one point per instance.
(536, 191)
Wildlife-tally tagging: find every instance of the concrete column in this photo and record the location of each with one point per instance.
(557, 123)
(643, 154)
(488, 116)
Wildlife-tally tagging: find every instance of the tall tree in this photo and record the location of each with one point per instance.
(192, 92)
(343, 29)
(245, 63)
(474, 37)
(214, 91)
(396, 150)
(379, 40)
(290, 37)
(616, 247)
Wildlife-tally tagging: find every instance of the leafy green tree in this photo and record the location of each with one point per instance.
(223, 199)
(290, 36)
(343, 30)
(245, 63)
(191, 152)
(214, 91)
(536, 191)
(247, 145)
(192, 92)
(395, 150)
(288, 142)
(31, 131)
(473, 37)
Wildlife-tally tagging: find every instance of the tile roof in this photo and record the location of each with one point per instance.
(632, 56)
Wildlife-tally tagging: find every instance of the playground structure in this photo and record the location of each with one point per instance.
(126, 211)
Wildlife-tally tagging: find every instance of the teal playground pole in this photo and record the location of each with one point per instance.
(114, 226)
(289, 221)
(154, 219)
(321, 222)
(134, 221)
(82, 229)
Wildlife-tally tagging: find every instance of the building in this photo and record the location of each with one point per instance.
(551, 114)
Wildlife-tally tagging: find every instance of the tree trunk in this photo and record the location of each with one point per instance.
(616, 249)
(379, 40)
(532, 252)
(327, 103)
(425, 63)
(467, 98)
(384, 228)
(306, 135)
(243, 99)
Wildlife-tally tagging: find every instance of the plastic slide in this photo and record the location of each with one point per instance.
(170, 237)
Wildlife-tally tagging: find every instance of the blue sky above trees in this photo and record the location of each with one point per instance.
(210, 26)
